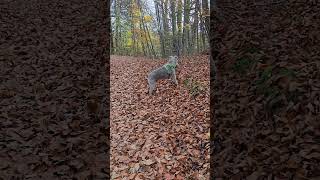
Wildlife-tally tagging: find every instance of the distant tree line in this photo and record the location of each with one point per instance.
(168, 27)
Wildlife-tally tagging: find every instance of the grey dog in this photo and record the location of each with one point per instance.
(167, 71)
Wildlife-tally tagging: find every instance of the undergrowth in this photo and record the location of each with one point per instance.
(194, 87)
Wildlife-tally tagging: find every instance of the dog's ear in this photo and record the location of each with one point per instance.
(176, 58)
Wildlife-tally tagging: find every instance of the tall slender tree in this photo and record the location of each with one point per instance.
(179, 25)
(160, 27)
(174, 26)
(165, 24)
(206, 15)
(186, 26)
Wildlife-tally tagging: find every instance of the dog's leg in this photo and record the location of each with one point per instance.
(152, 87)
(174, 77)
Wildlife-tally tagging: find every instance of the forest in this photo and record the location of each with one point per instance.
(145, 128)
(159, 28)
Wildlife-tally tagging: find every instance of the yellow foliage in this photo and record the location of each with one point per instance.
(147, 18)
(129, 33)
(136, 13)
(129, 43)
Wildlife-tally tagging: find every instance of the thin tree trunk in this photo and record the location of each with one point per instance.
(202, 31)
(186, 26)
(152, 47)
(179, 25)
(160, 30)
(117, 22)
(174, 25)
(143, 46)
(194, 38)
(146, 32)
(206, 15)
(133, 31)
(164, 5)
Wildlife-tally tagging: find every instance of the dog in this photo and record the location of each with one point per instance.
(167, 71)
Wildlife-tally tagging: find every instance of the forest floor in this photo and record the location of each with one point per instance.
(161, 136)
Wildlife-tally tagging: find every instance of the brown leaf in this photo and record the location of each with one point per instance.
(148, 162)
(254, 175)
(168, 176)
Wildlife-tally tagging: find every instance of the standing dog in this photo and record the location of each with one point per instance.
(167, 71)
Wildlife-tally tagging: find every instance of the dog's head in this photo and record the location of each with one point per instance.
(173, 60)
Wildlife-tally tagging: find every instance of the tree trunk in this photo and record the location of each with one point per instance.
(186, 26)
(160, 29)
(179, 25)
(146, 32)
(194, 39)
(206, 15)
(174, 27)
(117, 26)
(133, 37)
(164, 8)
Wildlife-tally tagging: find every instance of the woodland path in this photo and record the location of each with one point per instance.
(163, 136)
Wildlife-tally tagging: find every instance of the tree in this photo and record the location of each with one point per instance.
(174, 25)
(206, 15)
(179, 27)
(186, 27)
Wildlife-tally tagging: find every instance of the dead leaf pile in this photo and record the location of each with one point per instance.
(161, 136)
(266, 99)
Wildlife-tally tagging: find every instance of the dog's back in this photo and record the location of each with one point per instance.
(160, 73)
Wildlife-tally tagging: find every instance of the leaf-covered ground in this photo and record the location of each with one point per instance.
(161, 136)
(266, 98)
(52, 57)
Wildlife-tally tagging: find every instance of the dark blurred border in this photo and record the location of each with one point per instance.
(265, 89)
(54, 89)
